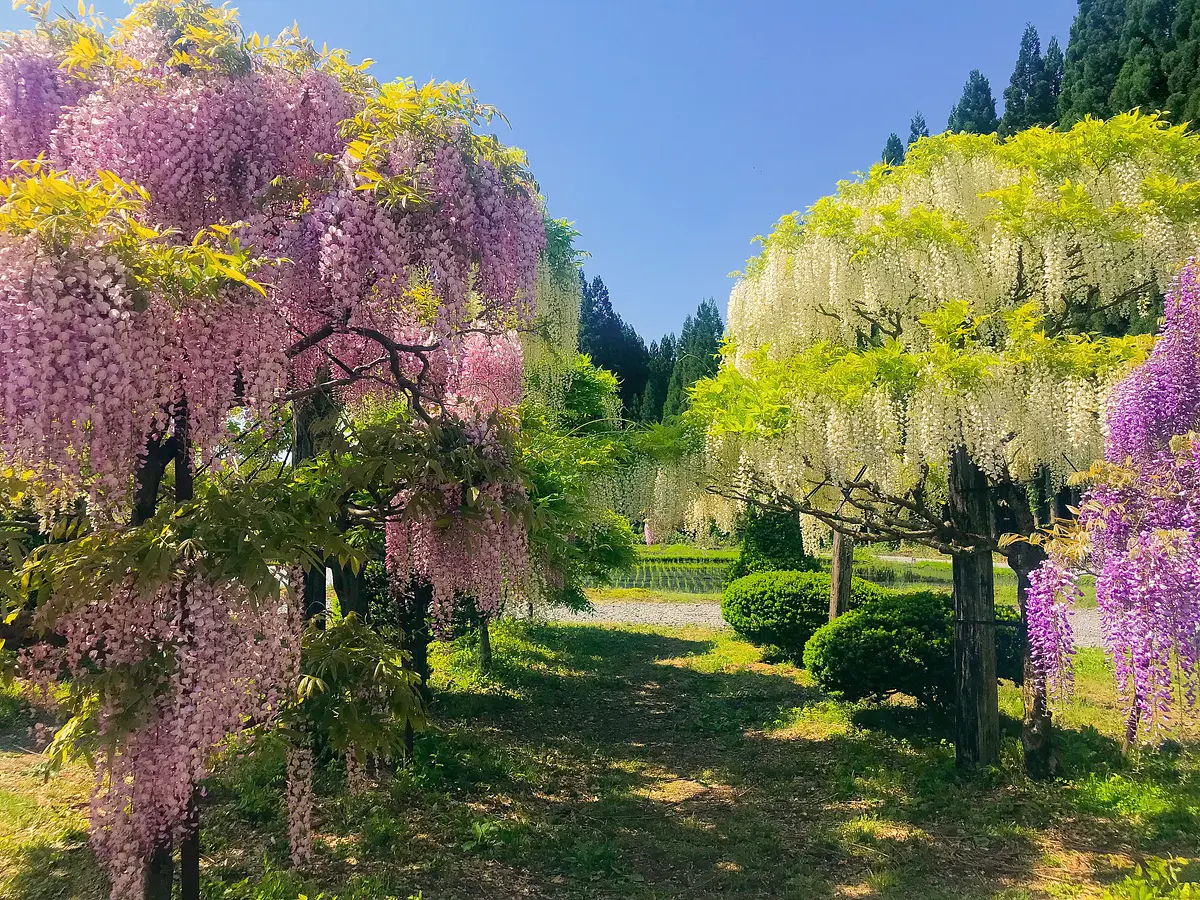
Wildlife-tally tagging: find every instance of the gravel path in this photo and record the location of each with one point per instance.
(1086, 622)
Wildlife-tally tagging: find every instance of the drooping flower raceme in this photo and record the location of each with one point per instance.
(1142, 524)
(382, 225)
(231, 663)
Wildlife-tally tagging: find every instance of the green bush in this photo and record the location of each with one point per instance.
(771, 542)
(783, 609)
(902, 642)
(1010, 644)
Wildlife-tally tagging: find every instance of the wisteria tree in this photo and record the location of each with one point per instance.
(1137, 532)
(927, 355)
(217, 229)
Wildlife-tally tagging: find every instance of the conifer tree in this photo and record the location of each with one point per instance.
(1183, 65)
(1052, 67)
(1093, 61)
(917, 129)
(1146, 44)
(612, 343)
(662, 364)
(893, 150)
(975, 112)
(1027, 93)
(696, 355)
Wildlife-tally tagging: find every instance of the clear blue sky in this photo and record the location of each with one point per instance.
(673, 132)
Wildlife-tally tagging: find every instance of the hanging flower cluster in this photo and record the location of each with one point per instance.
(95, 354)
(490, 376)
(397, 236)
(466, 542)
(359, 231)
(552, 344)
(81, 369)
(952, 301)
(204, 147)
(34, 90)
(1087, 222)
(219, 662)
(1141, 525)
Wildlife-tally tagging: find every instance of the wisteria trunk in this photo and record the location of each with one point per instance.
(1037, 729)
(189, 852)
(160, 870)
(308, 416)
(1132, 723)
(412, 615)
(185, 491)
(351, 591)
(160, 873)
(977, 712)
(841, 574)
(485, 645)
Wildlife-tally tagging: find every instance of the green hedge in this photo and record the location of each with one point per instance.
(771, 542)
(783, 609)
(902, 642)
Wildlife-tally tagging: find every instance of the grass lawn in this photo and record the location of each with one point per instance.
(637, 763)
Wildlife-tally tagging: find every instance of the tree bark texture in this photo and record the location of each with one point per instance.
(412, 617)
(977, 714)
(1014, 515)
(160, 873)
(351, 591)
(189, 852)
(1037, 729)
(485, 645)
(841, 574)
(307, 416)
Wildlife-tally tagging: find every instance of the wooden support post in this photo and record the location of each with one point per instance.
(977, 713)
(841, 574)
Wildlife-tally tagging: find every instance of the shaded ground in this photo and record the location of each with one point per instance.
(641, 763)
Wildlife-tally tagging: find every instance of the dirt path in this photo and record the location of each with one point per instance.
(708, 615)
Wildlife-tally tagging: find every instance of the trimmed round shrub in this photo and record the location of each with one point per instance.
(902, 642)
(898, 643)
(783, 609)
(771, 542)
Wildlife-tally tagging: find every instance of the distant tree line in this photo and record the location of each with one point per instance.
(653, 380)
(1122, 54)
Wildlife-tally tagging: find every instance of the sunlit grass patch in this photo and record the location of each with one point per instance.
(720, 651)
(816, 721)
(43, 831)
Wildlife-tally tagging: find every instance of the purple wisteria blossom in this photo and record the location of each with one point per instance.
(1143, 527)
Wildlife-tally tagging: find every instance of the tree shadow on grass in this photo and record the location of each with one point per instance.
(617, 763)
(681, 757)
(674, 780)
(55, 870)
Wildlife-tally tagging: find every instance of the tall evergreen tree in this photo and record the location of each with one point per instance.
(975, 112)
(893, 150)
(612, 343)
(1027, 94)
(917, 129)
(1052, 66)
(696, 355)
(662, 364)
(1146, 44)
(1183, 65)
(1093, 61)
